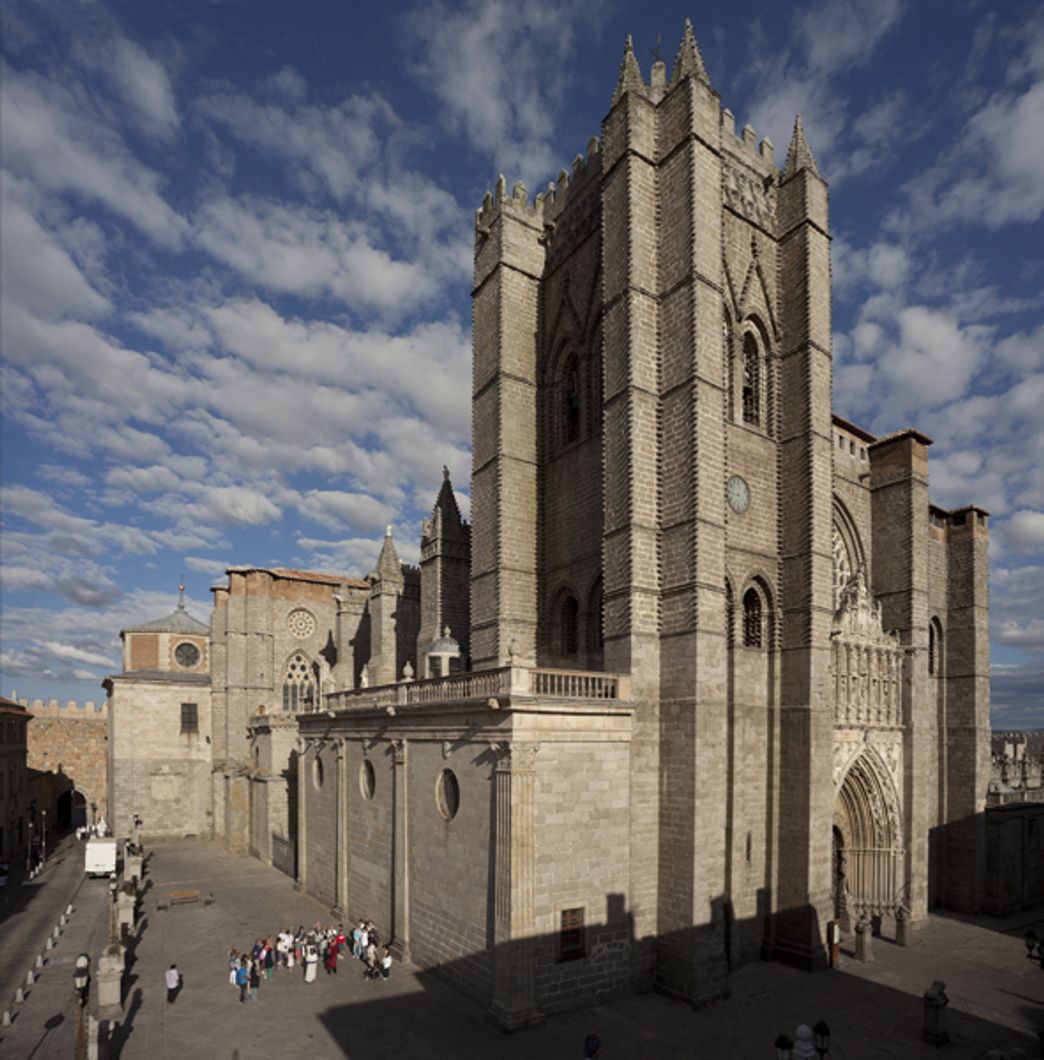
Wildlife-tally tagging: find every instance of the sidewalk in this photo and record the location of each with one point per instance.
(874, 1010)
(44, 1025)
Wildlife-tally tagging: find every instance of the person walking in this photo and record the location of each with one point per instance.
(592, 1044)
(173, 980)
(233, 965)
(331, 958)
(255, 979)
(243, 980)
(386, 963)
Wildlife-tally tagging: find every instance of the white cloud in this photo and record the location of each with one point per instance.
(145, 88)
(831, 39)
(207, 566)
(1024, 531)
(838, 36)
(38, 273)
(57, 139)
(312, 252)
(501, 72)
(358, 510)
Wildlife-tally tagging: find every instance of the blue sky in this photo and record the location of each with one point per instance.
(236, 245)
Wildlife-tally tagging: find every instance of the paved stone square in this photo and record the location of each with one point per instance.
(997, 995)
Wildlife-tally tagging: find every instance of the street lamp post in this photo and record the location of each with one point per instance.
(29, 851)
(43, 848)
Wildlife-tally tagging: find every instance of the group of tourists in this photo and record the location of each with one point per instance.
(290, 949)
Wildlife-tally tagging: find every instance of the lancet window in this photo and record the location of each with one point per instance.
(299, 684)
(751, 380)
(753, 636)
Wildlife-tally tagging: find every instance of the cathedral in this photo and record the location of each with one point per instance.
(707, 670)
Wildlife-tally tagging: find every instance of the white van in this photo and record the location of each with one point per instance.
(99, 857)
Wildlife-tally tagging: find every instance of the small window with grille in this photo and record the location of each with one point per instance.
(752, 619)
(189, 717)
(751, 381)
(571, 936)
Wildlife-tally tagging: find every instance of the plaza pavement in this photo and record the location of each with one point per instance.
(996, 993)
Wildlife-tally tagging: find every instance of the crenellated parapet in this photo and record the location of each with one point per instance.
(546, 206)
(71, 710)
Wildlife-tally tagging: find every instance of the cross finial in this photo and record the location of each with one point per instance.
(656, 51)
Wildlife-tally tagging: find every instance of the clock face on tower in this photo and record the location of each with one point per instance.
(738, 493)
(186, 655)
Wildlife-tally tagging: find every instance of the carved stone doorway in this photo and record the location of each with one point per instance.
(868, 858)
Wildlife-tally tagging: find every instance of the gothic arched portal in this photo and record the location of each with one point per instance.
(867, 840)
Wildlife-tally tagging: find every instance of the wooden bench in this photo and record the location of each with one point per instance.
(184, 897)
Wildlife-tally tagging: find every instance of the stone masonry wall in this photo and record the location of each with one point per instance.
(449, 924)
(73, 740)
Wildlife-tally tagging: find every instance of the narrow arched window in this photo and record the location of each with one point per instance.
(934, 648)
(299, 685)
(568, 626)
(752, 637)
(730, 616)
(571, 403)
(730, 381)
(751, 380)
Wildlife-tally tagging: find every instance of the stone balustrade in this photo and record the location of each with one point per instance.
(505, 681)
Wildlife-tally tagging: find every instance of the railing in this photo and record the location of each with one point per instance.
(872, 880)
(510, 681)
(574, 684)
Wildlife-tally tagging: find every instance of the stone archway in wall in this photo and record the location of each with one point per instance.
(867, 841)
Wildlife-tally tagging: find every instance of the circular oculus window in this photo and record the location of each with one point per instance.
(367, 779)
(186, 655)
(447, 794)
(301, 623)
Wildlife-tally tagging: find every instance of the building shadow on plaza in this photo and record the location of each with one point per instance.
(988, 868)
(645, 1014)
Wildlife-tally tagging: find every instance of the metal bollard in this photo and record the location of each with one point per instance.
(39, 960)
(69, 910)
(61, 920)
(50, 943)
(29, 978)
(19, 996)
(6, 1021)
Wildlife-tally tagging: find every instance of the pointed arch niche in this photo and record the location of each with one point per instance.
(849, 556)
(867, 831)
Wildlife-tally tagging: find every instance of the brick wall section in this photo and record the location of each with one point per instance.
(75, 744)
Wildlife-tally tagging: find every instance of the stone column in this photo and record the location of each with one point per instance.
(806, 480)
(302, 819)
(965, 676)
(400, 932)
(509, 264)
(899, 499)
(514, 928)
(341, 838)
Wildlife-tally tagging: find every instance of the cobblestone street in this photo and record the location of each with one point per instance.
(874, 1010)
